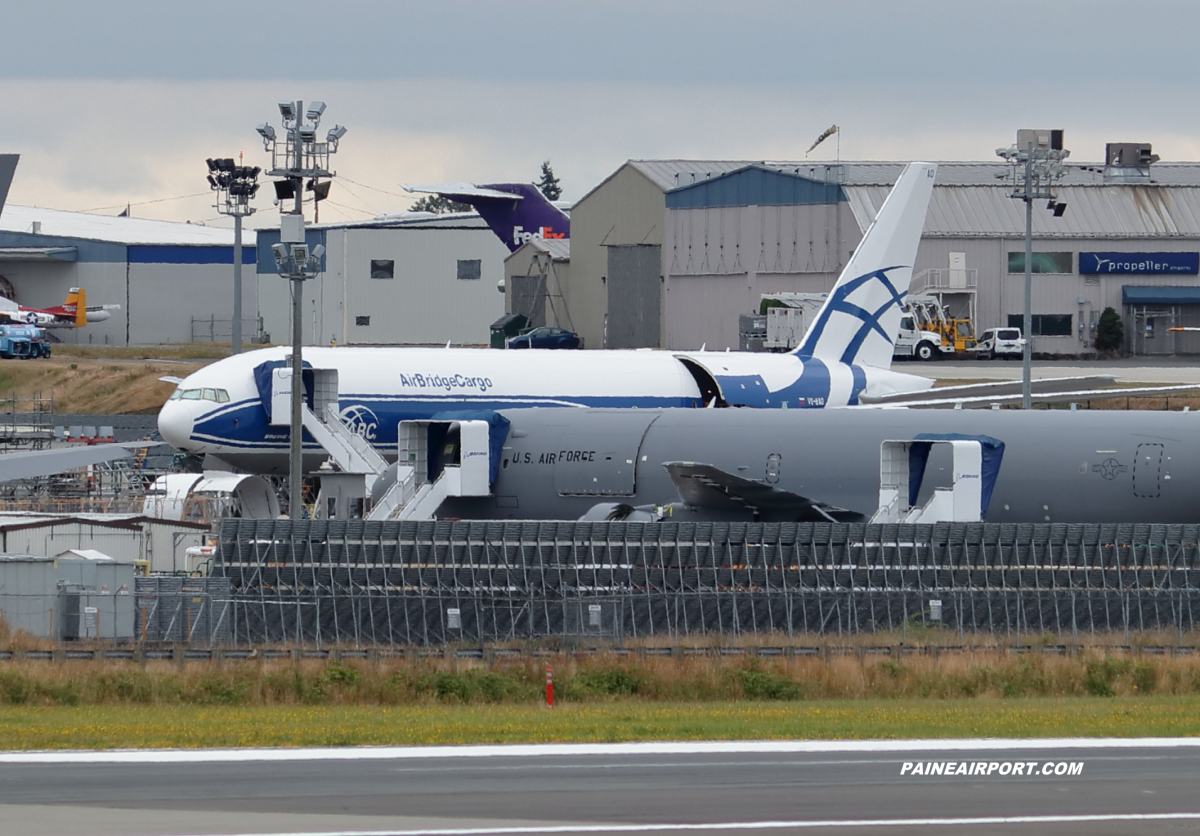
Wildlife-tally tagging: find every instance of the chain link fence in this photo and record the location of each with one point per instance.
(396, 583)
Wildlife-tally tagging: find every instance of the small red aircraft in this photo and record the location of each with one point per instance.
(74, 312)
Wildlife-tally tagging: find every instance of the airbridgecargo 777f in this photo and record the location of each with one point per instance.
(223, 410)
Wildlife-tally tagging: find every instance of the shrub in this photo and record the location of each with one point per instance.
(759, 684)
(606, 682)
(1100, 673)
(1110, 333)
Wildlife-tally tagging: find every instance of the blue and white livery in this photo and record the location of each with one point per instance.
(223, 410)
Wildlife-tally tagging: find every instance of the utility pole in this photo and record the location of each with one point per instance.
(300, 156)
(1037, 159)
(235, 185)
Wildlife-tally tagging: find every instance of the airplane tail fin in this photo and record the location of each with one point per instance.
(516, 212)
(77, 297)
(861, 317)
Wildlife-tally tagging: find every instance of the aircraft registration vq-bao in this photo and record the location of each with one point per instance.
(224, 410)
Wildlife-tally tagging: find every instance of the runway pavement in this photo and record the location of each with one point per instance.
(1067, 787)
(1136, 370)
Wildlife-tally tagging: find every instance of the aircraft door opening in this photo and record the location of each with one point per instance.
(599, 454)
(1147, 471)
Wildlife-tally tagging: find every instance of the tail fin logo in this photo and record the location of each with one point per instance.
(840, 302)
(520, 236)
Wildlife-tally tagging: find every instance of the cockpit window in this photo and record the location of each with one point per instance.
(215, 395)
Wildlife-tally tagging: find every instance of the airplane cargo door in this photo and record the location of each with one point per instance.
(600, 451)
(1147, 471)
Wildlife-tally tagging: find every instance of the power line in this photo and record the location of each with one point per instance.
(145, 202)
(371, 209)
(374, 189)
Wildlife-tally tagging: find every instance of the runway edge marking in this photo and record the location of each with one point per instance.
(192, 756)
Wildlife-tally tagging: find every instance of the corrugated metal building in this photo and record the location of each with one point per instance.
(536, 277)
(726, 231)
(161, 274)
(414, 279)
(125, 538)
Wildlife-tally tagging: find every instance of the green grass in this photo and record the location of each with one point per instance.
(179, 726)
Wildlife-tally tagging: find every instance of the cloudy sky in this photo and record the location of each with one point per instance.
(121, 101)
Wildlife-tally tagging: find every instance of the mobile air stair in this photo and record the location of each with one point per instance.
(358, 482)
(902, 464)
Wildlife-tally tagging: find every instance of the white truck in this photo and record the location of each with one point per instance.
(792, 314)
(915, 343)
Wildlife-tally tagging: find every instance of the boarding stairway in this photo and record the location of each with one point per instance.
(975, 464)
(357, 481)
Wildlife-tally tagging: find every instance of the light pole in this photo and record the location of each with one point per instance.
(297, 157)
(235, 185)
(1036, 161)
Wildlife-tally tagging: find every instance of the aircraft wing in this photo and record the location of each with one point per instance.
(708, 487)
(1044, 386)
(170, 378)
(32, 463)
(454, 191)
(985, 401)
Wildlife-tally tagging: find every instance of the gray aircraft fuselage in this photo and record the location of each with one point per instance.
(1058, 466)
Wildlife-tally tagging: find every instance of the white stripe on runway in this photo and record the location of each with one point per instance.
(527, 750)
(756, 825)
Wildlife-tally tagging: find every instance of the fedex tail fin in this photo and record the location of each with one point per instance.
(77, 297)
(516, 212)
(860, 320)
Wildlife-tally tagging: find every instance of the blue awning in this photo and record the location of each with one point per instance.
(1138, 295)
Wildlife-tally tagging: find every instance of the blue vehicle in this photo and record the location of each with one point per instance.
(23, 341)
(545, 337)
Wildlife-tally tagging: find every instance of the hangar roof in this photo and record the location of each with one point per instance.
(57, 223)
(971, 202)
(671, 174)
(1100, 211)
(412, 220)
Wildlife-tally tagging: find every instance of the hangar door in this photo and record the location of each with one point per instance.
(600, 451)
(634, 295)
(529, 299)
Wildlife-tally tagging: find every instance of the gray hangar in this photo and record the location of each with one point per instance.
(668, 253)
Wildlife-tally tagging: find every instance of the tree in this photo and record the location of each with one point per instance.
(549, 185)
(439, 205)
(1110, 333)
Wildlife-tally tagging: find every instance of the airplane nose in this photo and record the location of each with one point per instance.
(175, 426)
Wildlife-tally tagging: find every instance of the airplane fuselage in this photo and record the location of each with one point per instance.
(223, 411)
(1058, 466)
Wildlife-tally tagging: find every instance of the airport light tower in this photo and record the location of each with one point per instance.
(1036, 162)
(295, 157)
(235, 186)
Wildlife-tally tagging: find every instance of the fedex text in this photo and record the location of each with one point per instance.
(520, 236)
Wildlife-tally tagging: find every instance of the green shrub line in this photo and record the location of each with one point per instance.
(590, 680)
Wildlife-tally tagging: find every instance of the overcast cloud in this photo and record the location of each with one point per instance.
(120, 102)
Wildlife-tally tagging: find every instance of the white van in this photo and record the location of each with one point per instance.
(1000, 342)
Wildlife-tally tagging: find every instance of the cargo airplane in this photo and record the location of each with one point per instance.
(74, 312)
(222, 410)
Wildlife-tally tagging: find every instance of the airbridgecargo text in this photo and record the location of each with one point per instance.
(986, 768)
(449, 382)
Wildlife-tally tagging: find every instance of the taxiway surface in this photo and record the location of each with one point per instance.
(843, 788)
